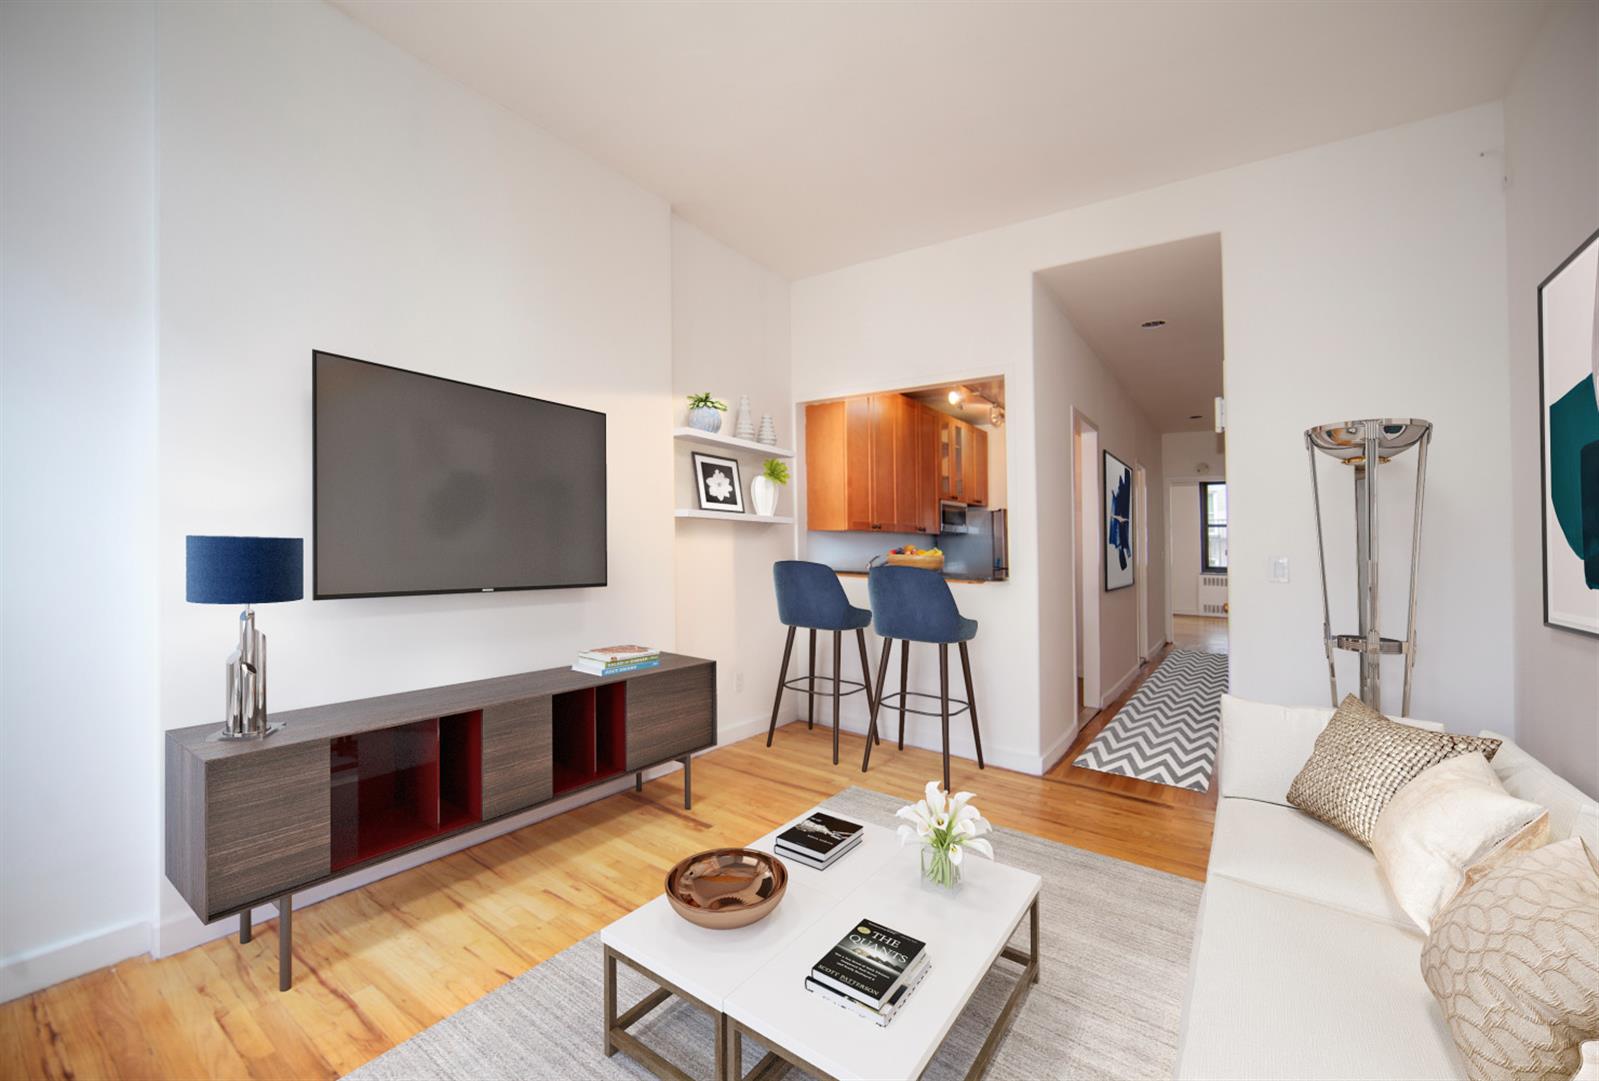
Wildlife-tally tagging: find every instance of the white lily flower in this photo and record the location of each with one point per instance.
(955, 855)
(978, 845)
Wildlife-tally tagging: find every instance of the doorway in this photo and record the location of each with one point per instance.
(1085, 594)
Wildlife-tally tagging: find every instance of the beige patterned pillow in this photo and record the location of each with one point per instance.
(1514, 963)
(1362, 758)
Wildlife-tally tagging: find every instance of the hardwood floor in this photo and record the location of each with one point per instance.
(1208, 634)
(377, 965)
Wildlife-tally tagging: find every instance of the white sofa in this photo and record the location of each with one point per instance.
(1303, 966)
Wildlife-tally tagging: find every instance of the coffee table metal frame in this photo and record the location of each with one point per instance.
(777, 1059)
(730, 1033)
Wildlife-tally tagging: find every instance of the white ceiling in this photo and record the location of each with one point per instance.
(1173, 372)
(811, 136)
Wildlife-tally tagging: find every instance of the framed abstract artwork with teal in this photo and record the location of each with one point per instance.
(1118, 503)
(1568, 413)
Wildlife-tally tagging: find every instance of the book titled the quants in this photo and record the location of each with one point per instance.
(870, 963)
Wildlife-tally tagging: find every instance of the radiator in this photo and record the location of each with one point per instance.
(1213, 594)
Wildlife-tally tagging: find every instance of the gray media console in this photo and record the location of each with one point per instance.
(346, 786)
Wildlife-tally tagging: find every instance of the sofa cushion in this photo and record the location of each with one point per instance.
(1514, 961)
(1362, 758)
(1447, 819)
(1571, 812)
(1264, 746)
(1281, 987)
(1276, 847)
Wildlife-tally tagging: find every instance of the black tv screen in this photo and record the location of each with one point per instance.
(427, 485)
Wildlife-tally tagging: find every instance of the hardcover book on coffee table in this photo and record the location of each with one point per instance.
(879, 1017)
(819, 839)
(871, 963)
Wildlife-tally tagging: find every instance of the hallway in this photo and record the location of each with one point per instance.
(1207, 634)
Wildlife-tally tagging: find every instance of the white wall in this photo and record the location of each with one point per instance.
(1362, 278)
(317, 189)
(77, 444)
(730, 336)
(1552, 205)
(1069, 375)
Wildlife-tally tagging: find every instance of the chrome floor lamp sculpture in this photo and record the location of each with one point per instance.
(1365, 446)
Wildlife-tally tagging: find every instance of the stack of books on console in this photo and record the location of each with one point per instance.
(614, 660)
(819, 841)
(872, 971)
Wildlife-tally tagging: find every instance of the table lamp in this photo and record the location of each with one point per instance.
(247, 571)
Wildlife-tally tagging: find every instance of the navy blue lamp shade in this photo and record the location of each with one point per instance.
(244, 570)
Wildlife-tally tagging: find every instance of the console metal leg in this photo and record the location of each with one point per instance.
(285, 906)
(971, 703)
(782, 675)
(244, 926)
(638, 781)
(688, 782)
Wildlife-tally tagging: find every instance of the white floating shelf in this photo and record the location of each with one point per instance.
(729, 516)
(728, 442)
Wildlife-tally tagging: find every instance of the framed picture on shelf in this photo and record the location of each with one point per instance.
(1117, 499)
(717, 481)
(1568, 426)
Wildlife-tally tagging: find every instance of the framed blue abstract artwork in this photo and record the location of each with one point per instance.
(1568, 414)
(1118, 503)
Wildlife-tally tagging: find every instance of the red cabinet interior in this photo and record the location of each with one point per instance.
(393, 787)
(589, 740)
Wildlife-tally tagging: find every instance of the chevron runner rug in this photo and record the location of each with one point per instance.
(1168, 730)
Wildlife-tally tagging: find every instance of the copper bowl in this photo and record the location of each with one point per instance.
(726, 887)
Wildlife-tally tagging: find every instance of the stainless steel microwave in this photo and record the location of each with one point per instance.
(954, 517)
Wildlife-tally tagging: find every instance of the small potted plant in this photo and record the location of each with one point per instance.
(705, 412)
(763, 489)
(946, 826)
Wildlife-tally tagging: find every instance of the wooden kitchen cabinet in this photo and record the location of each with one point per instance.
(867, 466)
(927, 429)
(977, 467)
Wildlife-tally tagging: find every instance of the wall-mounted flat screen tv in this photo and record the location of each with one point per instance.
(427, 485)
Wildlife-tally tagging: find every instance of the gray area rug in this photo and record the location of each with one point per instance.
(1114, 967)
(1167, 732)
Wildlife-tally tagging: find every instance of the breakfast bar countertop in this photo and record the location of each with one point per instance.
(951, 574)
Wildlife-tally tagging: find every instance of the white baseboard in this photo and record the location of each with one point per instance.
(1122, 684)
(25, 973)
(1058, 748)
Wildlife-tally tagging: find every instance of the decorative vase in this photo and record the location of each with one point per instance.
(763, 494)
(705, 419)
(768, 434)
(744, 426)
(939, 869)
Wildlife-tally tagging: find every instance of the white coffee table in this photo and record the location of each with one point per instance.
(751, 980)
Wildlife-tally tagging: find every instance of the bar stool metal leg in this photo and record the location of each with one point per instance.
(904, 685)
(971, 703)
(782, 676)
(943, 703)
(871, 729)
(866, 678)
(810, 715)
(838, 664)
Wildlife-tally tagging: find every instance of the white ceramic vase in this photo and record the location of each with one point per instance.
(768, 432)
(705, 419)
(744, 426)
(763, 495)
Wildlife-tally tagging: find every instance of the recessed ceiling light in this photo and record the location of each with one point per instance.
(955, 396)
(1151, 324)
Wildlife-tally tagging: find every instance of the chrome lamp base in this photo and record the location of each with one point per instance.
(244, 713)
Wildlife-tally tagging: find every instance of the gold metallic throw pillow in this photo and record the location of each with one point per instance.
(1362, 758)
(1514, 962)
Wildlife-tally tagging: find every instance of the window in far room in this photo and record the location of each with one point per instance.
(1213, 527)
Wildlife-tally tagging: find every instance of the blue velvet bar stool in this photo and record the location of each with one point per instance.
(809, 595)
(916, 605)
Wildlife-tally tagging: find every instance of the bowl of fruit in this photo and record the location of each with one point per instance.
(910, 556)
